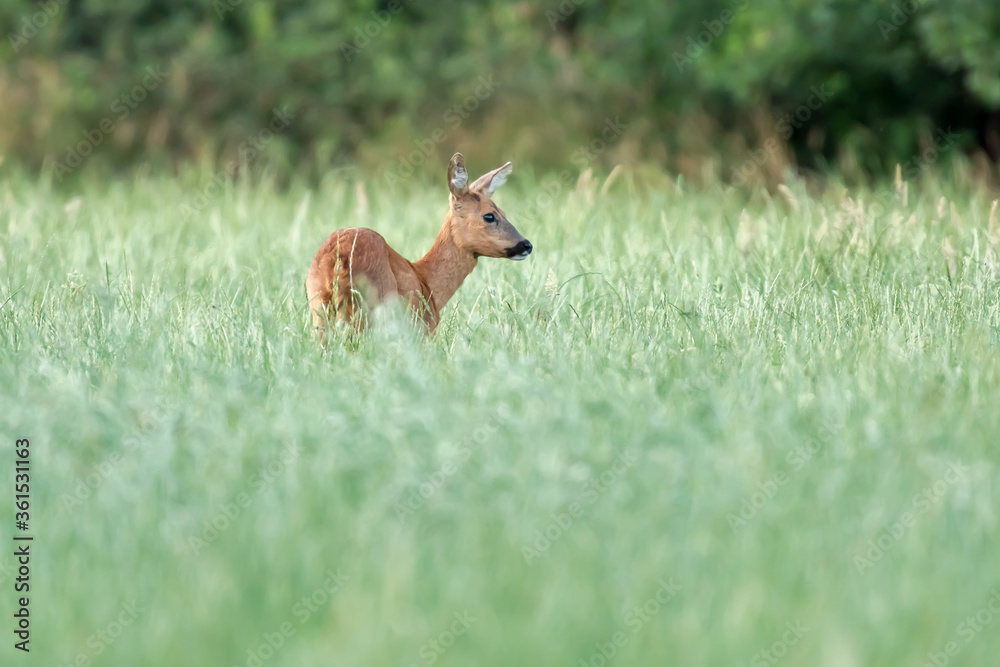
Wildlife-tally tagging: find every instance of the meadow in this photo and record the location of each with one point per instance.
(697, 426)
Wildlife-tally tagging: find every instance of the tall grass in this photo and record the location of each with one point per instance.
(694, 428)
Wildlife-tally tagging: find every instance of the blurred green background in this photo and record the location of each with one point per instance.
(847, 84)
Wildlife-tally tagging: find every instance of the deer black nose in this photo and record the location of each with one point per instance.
(520, 251)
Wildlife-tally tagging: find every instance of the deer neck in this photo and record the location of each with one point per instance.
(445, 266)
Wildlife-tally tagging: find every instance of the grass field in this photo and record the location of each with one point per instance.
(694, 428)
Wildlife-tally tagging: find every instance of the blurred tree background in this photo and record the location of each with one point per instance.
(699, 87)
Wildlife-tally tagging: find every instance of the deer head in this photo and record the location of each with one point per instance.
(478, 226)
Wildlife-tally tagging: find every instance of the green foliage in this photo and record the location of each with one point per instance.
(793, 376)
(962, 37)
(368, 78)
(896, 71)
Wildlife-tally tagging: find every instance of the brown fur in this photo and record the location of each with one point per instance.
(356, 266)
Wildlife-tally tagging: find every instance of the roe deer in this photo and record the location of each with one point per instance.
(357, 262)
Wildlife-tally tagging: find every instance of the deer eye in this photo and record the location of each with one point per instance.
(489, 217)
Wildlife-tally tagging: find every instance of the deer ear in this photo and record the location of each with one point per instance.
(458, 177)
(490, 181)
